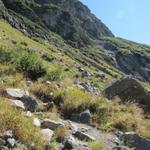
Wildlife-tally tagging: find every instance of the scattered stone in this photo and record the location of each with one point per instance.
(83, 129)
(16, 93)
(53, 125)
(48, 83)
(73, 128)
(28, 82)
(83, 136)
(11, 142)
(70, 143)
(28, 114)
(17, 103)
(8, 134)
(47, 134)
(85, 117)
(88, 87)
(36, 122)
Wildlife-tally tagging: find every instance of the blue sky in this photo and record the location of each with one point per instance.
(128, 19)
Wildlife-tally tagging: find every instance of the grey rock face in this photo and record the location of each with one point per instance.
(16, 93)
(85, 117)
(134, 64)
(71, 19)
(135, 141)
(128, 89)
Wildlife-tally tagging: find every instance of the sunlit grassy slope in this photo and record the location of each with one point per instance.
(64, 69)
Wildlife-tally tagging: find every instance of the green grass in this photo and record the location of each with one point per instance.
(20, 54)
(12, 119)
(96, 146)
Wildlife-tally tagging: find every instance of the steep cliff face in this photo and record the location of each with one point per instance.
(70, 19)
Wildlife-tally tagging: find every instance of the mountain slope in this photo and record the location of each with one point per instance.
(70, 19)
(56, 61)
(81, 29)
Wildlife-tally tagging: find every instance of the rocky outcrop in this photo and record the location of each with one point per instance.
(7, 140)
(16, 93)
(134, 64)
(70, 19)
(133, 140)
(128, 89)
(21, 99)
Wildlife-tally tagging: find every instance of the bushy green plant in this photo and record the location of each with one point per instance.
(30, 63)
(55, 74)
(5, 55)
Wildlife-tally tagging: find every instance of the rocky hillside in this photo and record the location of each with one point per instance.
(78, 27)
(64, 83)
(70, 19)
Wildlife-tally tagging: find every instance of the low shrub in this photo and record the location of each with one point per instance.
(24, 60)
(5, 55)
(55, 74)
(30, 63)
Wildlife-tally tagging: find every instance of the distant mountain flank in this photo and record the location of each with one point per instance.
(68, 18)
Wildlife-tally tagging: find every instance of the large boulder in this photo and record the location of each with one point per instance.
(30, 103)
(16, 93)
(85, 117)
(135, 141)
(128, 89)
(23, 101)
